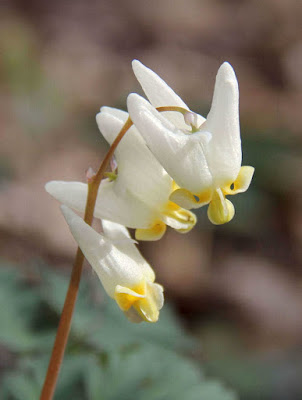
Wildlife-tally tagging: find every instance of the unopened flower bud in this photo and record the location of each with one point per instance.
(90, 174)
(113, 164)
(191, 119)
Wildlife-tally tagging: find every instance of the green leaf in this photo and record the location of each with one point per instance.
(149, 373)
(17, 386)
(108, 358)
(17, 306)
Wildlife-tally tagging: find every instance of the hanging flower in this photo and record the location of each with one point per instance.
(203, 156)
(124, 273)
(137, 193)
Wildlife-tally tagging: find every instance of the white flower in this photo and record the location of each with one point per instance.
(138, 197)
(124, 273)
(203, 156)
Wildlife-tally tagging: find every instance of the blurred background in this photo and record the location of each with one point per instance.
(234, 292)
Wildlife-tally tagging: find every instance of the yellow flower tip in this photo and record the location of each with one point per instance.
(147, 310)
(220, 210)
(156, 232)
(139, 304)
(178, 218)
(126, 297)
(242, 182)
(190, 218)
(184, 198)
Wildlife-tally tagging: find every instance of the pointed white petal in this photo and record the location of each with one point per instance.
(72, 194)
(224, 149)
(113, 203)
(116, 112)
(160, 94)
(156, 89)
(181, 155)
(112, 266)
(110, 121)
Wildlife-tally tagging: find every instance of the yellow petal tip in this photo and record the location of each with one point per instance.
(156, 232)
(219, 213)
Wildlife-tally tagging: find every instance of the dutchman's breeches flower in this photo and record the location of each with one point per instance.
(137, 194)
(203, 156)
(124, 273)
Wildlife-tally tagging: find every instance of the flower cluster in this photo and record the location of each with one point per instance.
(170, 160)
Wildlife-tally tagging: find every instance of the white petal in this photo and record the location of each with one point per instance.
(181, 155)
(72, 194)
(111, 204)
(138, 169)
(116, 112)
(158, 294)
(119, 235)
(112, 266)
(125, 290)
(224, 149)
(110, 121)
(160, 94)
(117, 202)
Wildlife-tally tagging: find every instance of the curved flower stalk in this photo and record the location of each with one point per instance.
(203, 156)
(125, 274)
(137, 194)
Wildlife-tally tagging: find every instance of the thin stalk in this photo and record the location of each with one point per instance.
(174, 108)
